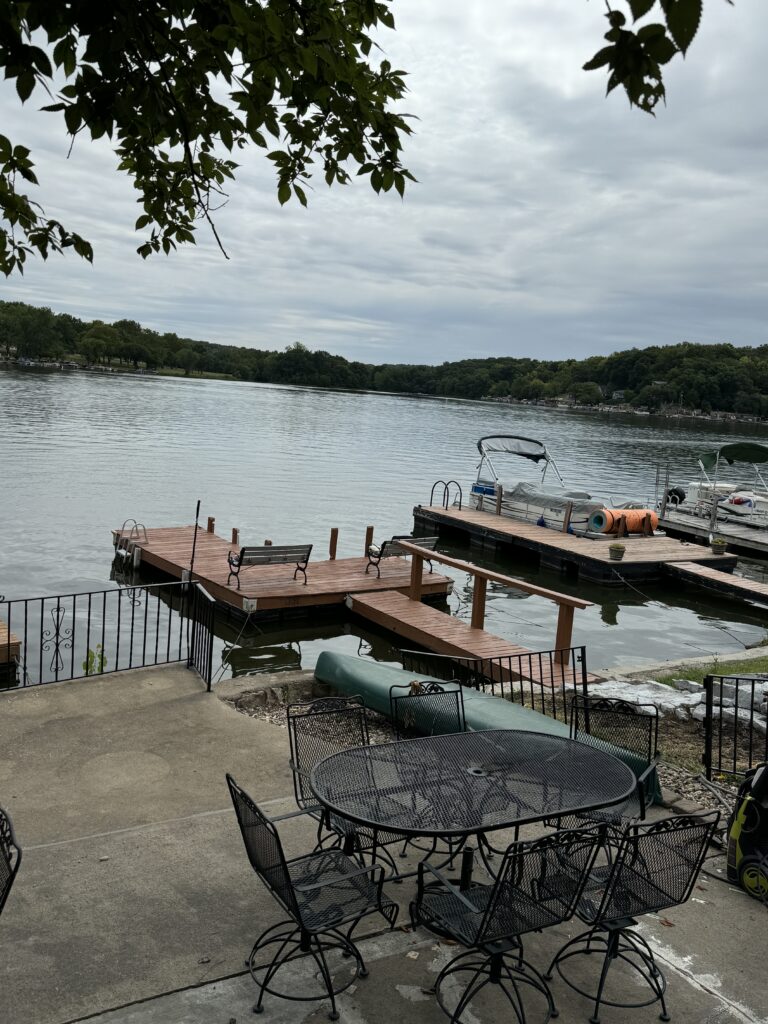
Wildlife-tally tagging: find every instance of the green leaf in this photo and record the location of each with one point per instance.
(683, 19)
(73, 118)
(283, 192)
(601, 58)
(25, 83)
(640, 8)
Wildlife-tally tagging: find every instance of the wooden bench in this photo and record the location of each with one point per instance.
(392, 548)
(269, 554)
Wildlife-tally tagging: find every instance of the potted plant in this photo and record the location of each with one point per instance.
(718, 545)
(616, 551)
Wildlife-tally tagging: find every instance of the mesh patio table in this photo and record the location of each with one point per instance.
(469, 783)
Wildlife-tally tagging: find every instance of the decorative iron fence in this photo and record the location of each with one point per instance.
(735, 736)
(543, 680)
(70, 636)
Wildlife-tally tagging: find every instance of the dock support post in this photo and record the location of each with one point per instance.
(479, 586)
(235, 535)
(499, 493)
(211, 523)
(368, 539)
(417, 569)
(564, 632)
(333, 542)
(567, 516)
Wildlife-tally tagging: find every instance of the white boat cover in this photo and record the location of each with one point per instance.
(530, 494)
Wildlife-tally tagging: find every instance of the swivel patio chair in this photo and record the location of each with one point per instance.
(655, 867)
(317, 729)
(615, 725)
(10, 857)
(321, 893)
(538, 885)
(426, 709)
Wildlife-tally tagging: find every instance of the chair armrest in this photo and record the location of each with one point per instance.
(370, 869)
(296, 814)
(424, 866)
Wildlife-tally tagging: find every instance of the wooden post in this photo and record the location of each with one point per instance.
(211, 524)
(235, 536)
(499, 493)
(368, 539)
(333, 542)
(567, 516)
(478, 602)
(622, 530)
(564, 632)
(647, 528)
(417, 568)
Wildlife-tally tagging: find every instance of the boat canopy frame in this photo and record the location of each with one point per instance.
(515, 444)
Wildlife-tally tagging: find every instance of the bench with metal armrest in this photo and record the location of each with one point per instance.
(269, 554)
(393, 547)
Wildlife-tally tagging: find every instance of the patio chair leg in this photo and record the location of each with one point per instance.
(319, 957)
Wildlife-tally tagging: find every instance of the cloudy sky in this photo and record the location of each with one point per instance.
(547, 220)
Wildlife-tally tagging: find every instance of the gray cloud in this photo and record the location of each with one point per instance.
(547, 220)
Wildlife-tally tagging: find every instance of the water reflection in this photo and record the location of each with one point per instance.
(82, 452)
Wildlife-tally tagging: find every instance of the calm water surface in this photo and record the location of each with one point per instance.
(81, 453)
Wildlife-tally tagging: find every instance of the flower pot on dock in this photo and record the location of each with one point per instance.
(718, 546)
(616, 552)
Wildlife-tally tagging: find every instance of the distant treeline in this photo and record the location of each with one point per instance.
(705, 377)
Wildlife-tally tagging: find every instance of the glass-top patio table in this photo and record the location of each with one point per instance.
(468, 783)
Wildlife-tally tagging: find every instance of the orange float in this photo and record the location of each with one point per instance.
(608, 520)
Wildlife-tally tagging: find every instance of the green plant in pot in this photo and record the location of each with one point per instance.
(616, 551)
(718, 545)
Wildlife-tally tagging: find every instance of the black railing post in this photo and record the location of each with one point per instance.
(708, 708)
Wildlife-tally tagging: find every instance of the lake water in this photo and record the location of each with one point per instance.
(80, 453)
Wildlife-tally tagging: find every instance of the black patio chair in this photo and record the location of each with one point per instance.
(317, 729)
(655, 867)
(10, 857)
(611, 724)
(321, 893)
(538, 885)
(426, 709)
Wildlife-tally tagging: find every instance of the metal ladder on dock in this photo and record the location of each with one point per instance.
(125, 541)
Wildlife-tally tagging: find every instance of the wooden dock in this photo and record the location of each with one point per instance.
(749, 540)
(10, 648)
(446, 634)
(721, 582)
(269, 588)
(645, 558)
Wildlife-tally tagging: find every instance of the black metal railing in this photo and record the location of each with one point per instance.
(735, 737)
(543, 680)
(203, 613)
(70, 636)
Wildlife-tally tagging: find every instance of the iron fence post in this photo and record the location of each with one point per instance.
(708, 711)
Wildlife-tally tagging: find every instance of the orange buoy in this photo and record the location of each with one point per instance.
(608, 520)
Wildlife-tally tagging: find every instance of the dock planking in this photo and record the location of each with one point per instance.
(270, 588)
(9, 645)
(644, 557)
(721, 582)
(447, 634)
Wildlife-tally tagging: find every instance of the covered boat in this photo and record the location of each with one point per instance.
(722, 494)
(546, 500)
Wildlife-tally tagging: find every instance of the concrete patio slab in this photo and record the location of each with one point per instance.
(135, 903)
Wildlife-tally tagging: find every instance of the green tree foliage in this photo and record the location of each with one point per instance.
(634, 57)
(695, 377)
(182, 86)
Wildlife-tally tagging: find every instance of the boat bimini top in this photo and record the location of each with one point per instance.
(512, 444)
(741, 451)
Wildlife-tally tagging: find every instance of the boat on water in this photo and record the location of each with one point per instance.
(546, 499)
(720, 494)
